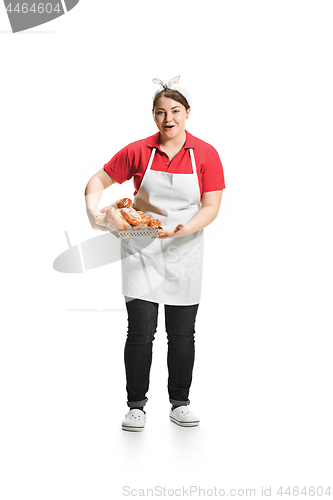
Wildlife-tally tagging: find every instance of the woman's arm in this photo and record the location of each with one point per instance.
(211, 202)
(93, 193)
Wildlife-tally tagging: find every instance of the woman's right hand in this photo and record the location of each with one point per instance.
(92, 214)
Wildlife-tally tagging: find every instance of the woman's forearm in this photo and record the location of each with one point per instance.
(95, 187)
(211, 202)
(204, 217)
(93, 193)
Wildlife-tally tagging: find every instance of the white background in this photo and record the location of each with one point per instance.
(75, 91)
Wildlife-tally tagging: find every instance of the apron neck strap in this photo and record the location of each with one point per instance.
(151, 158)
(194, 167)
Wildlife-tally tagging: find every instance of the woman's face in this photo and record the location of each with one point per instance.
(170, 117)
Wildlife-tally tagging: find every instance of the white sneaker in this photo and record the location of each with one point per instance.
(134, 421)
(184, 416)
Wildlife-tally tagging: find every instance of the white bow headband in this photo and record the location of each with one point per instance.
(173, 85)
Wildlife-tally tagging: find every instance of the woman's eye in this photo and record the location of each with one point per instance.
(176, 111)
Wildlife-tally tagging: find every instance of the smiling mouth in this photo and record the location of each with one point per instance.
(168, 126)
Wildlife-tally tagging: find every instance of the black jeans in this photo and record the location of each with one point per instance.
(142, 325)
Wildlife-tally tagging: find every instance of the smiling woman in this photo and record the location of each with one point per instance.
(179, 180)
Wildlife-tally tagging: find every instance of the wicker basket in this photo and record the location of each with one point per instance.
(139, 233)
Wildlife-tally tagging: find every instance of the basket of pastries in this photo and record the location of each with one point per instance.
(122, 220)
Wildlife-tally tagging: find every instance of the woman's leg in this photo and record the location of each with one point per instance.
(179, 323)
(142, 325)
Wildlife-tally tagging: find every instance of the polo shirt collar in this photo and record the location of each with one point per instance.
(153, 141)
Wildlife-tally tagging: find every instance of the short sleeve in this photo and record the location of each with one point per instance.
(212, 174)
(120, 166)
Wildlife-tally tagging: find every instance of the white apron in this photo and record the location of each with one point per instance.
(167, 271)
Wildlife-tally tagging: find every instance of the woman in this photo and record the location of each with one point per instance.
(179, 180)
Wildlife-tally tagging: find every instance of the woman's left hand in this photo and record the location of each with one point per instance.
(180, 230)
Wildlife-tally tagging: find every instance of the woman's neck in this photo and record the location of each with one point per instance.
(172, 144)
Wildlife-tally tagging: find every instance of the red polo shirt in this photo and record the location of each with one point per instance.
(132, 161)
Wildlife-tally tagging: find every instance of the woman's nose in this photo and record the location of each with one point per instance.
(168, 117)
